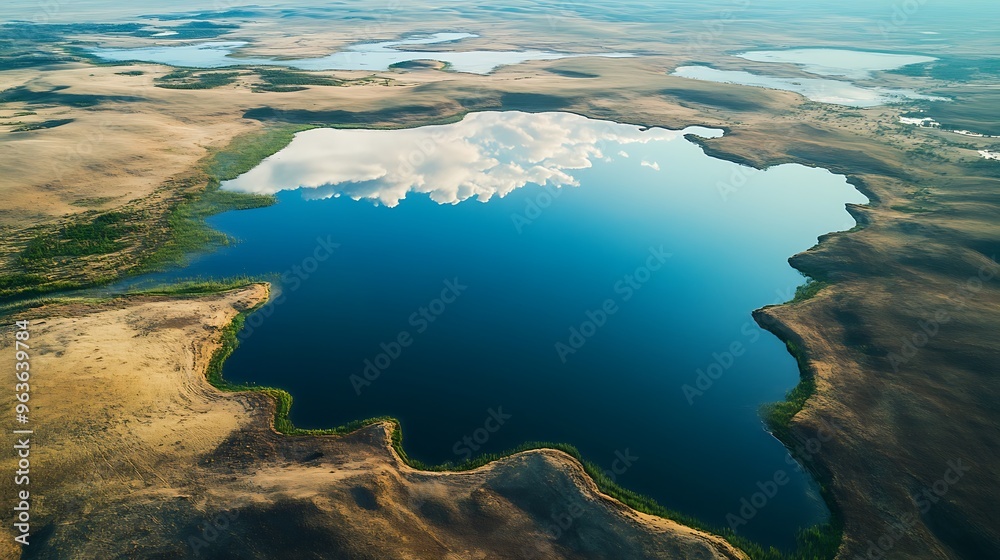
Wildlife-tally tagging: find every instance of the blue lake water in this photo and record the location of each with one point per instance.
(362, 56)
(567, 276)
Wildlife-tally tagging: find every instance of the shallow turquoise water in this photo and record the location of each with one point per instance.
(462, 305)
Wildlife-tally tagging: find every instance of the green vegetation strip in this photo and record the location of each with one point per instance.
(198, 287)
(188, 231)
(51, 251)
(824, 540)
(28, 127)
(279, 80)
(820, 542)
(21, 307)
(778, 416)
(187, 79)
(103, 234)
(808, 290)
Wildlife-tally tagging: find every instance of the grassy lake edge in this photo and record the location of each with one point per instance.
(820, 541)
(189, 233)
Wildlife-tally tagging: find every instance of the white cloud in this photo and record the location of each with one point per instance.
(623, 153)
(652, 165)
(486, 154)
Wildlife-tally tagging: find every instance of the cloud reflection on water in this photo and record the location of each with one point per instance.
(486, 154)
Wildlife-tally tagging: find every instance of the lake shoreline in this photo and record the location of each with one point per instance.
(283, 425)
(228, 438)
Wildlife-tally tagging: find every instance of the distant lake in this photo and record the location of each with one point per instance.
(838, 62)
(537, 277)
(822, 90)
(362, 56)
(842, 63)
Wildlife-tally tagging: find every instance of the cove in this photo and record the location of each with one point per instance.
(431, 274)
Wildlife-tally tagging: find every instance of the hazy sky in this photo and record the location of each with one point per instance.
(104, 10)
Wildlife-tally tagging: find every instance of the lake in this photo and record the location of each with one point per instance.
(822, 90)
(838, 62)
(378, 56)
(523, 277)
(841, 63)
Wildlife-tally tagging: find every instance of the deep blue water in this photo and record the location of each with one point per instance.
(493, 348)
